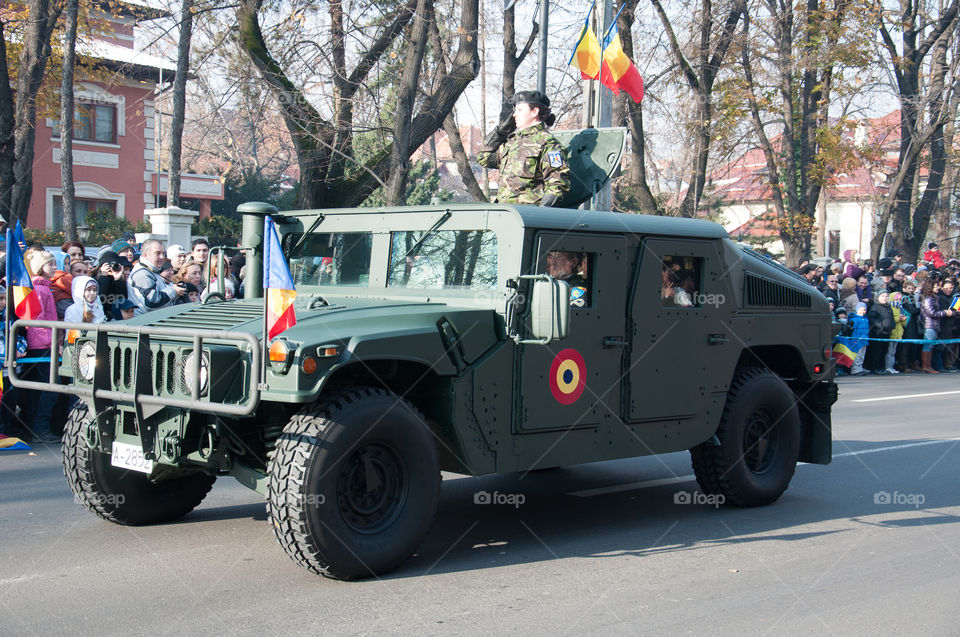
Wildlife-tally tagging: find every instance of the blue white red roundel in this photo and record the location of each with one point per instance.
(568, 376)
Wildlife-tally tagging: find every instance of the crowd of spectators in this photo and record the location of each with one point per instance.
(123, 281)
(883, 306)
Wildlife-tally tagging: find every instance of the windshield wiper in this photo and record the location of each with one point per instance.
(303, 237)
(415, 248)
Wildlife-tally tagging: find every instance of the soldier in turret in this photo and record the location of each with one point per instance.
(533, 165)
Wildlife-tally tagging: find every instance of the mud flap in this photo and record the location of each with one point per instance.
(816, 433)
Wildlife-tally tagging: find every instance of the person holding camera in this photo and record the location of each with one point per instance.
(533, 164)
(110, 276)
(147, 288)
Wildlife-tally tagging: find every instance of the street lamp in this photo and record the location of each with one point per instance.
(83, 233)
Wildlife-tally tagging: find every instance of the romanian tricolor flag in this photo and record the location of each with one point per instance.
(586, 54)
(845, 350)
(8, 443)
(26, 303)
(277, 283)
(618, 72)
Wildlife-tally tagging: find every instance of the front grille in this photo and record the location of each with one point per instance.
(759, 292)
(217, 316)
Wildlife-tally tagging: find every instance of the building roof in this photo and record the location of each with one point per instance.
(130, 62)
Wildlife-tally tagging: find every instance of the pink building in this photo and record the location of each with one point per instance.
(115, 135)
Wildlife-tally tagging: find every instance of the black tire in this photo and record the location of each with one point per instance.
(759, 436)
(119, 495)
(354, 484)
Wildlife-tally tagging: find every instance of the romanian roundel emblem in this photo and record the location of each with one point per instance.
(568, 376)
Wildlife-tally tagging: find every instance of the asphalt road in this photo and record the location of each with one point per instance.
(867, 545)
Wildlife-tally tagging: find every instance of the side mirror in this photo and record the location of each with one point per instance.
(549, 310)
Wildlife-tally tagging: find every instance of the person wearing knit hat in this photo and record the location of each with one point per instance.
(177, 255)
(37, 406)
(933, 255)
(860, 331)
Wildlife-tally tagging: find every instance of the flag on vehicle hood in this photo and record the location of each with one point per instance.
(618, 72)
(277, 283)
(586, 54)
(26, 303)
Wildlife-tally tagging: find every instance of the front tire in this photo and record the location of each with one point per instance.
(759, 436)
(354, 484)
(119, 495)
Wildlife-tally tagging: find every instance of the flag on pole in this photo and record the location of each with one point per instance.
(586, 54)
(618, 72)
(26, 303)
(277, 283)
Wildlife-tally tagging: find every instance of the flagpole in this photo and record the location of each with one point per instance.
(6, 300)
(267, 228)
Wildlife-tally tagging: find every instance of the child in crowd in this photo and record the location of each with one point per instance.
(86, 306)
(899, 323)
(881, 320)
(861, 330)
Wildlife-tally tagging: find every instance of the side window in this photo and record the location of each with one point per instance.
(682, 280)
(575, 269)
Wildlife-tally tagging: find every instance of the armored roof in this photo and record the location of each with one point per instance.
(557, 219)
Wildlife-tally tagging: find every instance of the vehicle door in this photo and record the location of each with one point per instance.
(575, 382)
(681, 339)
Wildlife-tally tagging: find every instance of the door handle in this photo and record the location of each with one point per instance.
(614, 341)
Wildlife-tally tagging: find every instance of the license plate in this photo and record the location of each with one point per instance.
(128, 456)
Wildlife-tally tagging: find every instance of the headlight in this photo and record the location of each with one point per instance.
(281, 355)
(86, 360)
(188, 373)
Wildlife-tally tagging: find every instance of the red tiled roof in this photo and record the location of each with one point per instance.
(763, 225)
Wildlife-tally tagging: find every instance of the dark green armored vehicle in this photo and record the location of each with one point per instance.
(474, 339)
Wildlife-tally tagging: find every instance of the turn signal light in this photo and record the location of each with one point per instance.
(308, 365)
(72, 336)
(328, 351)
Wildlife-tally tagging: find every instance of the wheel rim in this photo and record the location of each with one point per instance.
(371, 488)
(760, 442)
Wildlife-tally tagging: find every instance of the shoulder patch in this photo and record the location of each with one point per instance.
(556, 158)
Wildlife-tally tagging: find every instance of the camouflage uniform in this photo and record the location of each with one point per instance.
(532, 164)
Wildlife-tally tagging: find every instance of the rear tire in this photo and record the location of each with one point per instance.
(119, 495)
(354, 484)
(759, 436)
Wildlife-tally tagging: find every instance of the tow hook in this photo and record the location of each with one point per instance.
(170, 446)
(92, 435)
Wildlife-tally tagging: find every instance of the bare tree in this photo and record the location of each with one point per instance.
(922, 32)
(700, 76)
(66, 122)
(399, 157)
(179, 102)
(18, 115)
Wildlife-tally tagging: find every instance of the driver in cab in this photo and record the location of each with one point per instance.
(567, 266)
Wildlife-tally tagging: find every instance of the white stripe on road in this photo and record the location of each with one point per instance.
(646, 484)
(874, 400)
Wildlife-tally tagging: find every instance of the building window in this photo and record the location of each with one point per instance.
(833, 244)
(81, 207)
(93, 123)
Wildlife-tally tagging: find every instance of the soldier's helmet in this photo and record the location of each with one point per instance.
(531, 97)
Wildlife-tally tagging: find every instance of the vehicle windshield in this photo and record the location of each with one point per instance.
(330, 258)
(448, 259)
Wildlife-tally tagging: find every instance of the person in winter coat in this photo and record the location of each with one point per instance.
(36, 406)
(863, 289)
(848, 295)
(60, 284)
(882, 323)
(86, 306)
(860, 331)
(931, 313)
(945, 354)
(908, 354)
(899, 322)
(850, 267)
(934, 256)
(111, 277)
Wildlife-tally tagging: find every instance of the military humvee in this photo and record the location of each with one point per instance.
(449, 339)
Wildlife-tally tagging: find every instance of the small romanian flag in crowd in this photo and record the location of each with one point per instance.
(26, 303)
(277, 283)
(618, 71)
(845, 350)
(586, 55)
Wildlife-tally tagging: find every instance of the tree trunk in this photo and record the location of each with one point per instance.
(407, 93)
(179, 102)
(463, 162)
(33, 62)
(66, 123)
